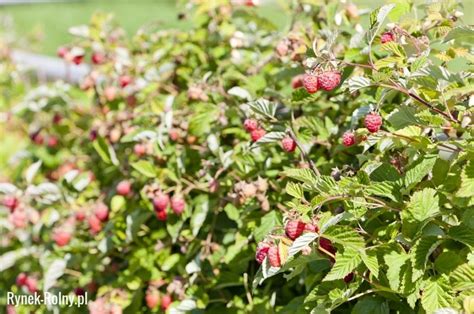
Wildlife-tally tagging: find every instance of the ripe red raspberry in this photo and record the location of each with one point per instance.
(387, 37)
(329, 80)
(61, 237)
(250, 125)
(297, 81)
(124, 80)
(139, 149)
(152, 298)
(166, 300)
(274, 256)
(311, 228)
(79, 291)
(327, 245)
(31, 284)
(257, 134)
(310, 83)
(53, 141)
(77, 59)
(348, 278)
(288, 144)
(62, 52)
(101, 211)
(294, 228)
(21, 279)
(178, 204)
(161, 215)
(124, 187)
(11, 202)
(57, 118)
(94, 224)
(373, 122)
(262, 251)
(97, 58)
(348, 139)
(161, 201)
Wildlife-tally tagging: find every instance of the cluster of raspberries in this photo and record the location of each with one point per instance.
(257, 132)
(372, 122)
(327, 81)
(294, 229)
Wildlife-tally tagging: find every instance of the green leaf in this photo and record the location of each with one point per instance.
(301, 242)
(346, 262)
(263, 107)
(170, 262)
(199, 215)
(371, 305)
(463, 234)
(304, 175)
(295, 190)
(424, 204)
(421, 252)
(357, 82)
(386, 189)
(270, 137)
(232, 212)
(467, 181)
(396, 263)
(419, 170)
(384, 172)
(145, 167)
(436, 295)
(464, 33)
(402, 116)
(117, 202)
(269, 221)
(370, 260)
(462, 278)
(345, 236)
(105, 151)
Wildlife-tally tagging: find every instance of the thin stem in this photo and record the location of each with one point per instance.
(368, 66)
(360, 294)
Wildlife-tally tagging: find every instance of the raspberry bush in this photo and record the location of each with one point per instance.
(236, 167)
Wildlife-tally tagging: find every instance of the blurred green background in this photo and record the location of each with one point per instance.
(49, 22)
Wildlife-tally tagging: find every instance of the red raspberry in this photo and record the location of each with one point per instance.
(97, 58)
(327, 245)
(124, 80)
(61, 237)
(161, 215)
(288, 144)
(62, 52)
(257, 134)
(294, 228)
(101, 211)
(31, 284)
(94, 224)
(311, 228)
(387, 37)
(274, 256)
(57, 118)
(52, 141)
(166, 300)
(329, 80)
(124, 187)
(177, 205)
(262, 251)
(348, 278)
(77, 59)
(19, 218)
(152, 298)
(250, 125)
(161, 201)
(11, 202)
(348, 139)
(310, 83)
(139, 149)
(21, 279)
(372, 122)
(297, 81)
